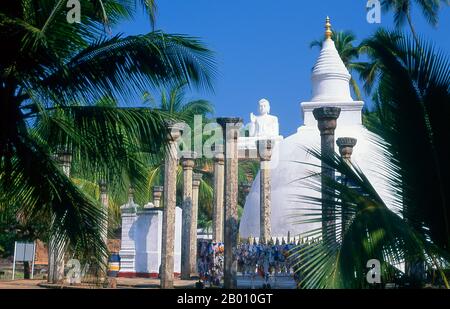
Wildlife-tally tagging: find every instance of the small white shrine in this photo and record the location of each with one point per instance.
(330, 87)
(140, 252)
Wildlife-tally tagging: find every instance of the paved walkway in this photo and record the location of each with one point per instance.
(152, 283)
(20, 284)
(122, 283)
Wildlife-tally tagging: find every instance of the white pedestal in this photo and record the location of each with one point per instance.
(148, 240)
(249, 143)
(127, 249)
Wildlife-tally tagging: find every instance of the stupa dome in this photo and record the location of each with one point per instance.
(330, 87)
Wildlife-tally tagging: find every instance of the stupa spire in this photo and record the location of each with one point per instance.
(328, 32)
(330, 77)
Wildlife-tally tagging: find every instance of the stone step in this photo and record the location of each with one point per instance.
(278, 282)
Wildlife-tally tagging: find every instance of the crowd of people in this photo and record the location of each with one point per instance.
(210, 262)
(253, 259)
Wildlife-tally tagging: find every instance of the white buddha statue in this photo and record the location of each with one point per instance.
(264, 125)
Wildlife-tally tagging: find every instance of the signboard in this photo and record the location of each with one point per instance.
(24, 252)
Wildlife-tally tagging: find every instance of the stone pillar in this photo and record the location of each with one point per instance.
(326, 120)
(218, 193)
(170, 197)
(65, 161)
(194, 222)
(345, 145)
(187, 162)
(246, 187)
(157, 194)
(56, 253)
(264, 153)
(128, 242)
(230, 128)
(104, 200)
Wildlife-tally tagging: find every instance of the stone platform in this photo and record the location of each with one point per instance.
(276, 282)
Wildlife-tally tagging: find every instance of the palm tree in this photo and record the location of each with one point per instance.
(173, 101)
(413, 122)
(345, 45)
(402, 12)
(373, 232)
(51, 73)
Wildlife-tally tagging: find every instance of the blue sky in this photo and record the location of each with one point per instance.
(262, 46)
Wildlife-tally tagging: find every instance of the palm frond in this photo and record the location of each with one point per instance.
(127, 66)
(413, 123)
(373, 232)
(106, 141)
(78, 219)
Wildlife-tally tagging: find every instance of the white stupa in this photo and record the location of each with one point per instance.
(330, 87)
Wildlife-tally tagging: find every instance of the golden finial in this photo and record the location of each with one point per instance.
(328, 32)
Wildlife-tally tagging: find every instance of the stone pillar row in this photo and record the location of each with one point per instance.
(191, 184)
(225, 217)
(327, 121)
